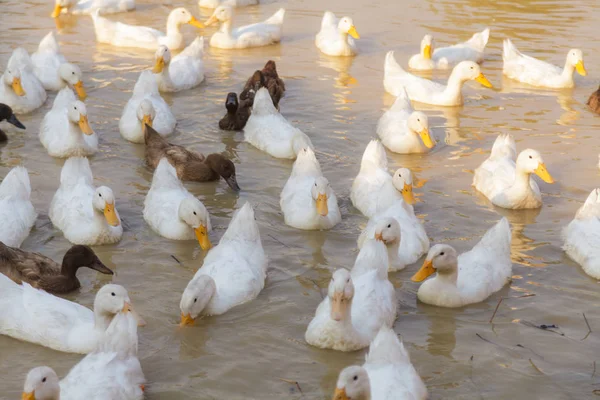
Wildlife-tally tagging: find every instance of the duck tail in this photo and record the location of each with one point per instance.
(20, 59)
(195, 49)
(277, 18)
(306, 163)
(146, 84)
(263, 103)
(387, 348)
(372, 257)
(479, 40)
(391, 66)
(76, 168)
(49, 43)
(243, 226)
(374, 155)
(328, 20)
(509, 50)
(591, 207)
(16, 183)
(504, 147)
(497, 240)
(402, 102)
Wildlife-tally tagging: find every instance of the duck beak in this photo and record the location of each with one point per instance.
(28, 396)
(379, 236)
(340, 394)
(17, 88)
(147, 120)
(352, 32)
(426, 270)
(407, 194)
(186, 320)
(580, 68)
(84, 125)
(159, 65)
(232, 182)
(128, 308)
(322, 208)
(543, 173)
(483, 80)
(193, 21)
(426, 138)
(100, 267)
(212, 20)
(80, 90)
(427, 52)
(111, 215)
(202, 236)
(56, 12)
(338, 306)
(13, 120)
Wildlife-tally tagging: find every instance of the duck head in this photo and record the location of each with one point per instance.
(112, 299)
(221, 14)
(180, 16)
(195, 298)
(71, 74)
(340, 293)
(469, 70)
(427, 47)
(82, 256)
(145, 112)
(162, 57)
(104, 202)
(194, 214)
(41, 384)
(346, 25)
(441, 258)
(77, 113)
(353, 384)
(231, 103)
(6, 114)
(321, 192)
(575, 59)
(224, 168)
(530, 161)
(387, 230)
(59, 6)
(419, 124)
(403, 182)
(12, 78)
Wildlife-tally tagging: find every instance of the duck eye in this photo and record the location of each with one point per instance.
(99, 194)
(73, 73)
(195, 213)
(315, 184)
(113, 294)
(389, 225)
(355, 377)
(195, 300)
(530, 157)
(442, 253)
(44, 379)
(348, 280)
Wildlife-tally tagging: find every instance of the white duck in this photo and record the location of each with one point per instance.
(233, 273)
(146, 106)
(402, 233)
(20, 89)
(387, 373)
(17, 214)
(172, 211)
(333, 38)
(254, 35)
(123, 35)
(35, 316)
(65, 130)
(307, 200)
(374, 189)
(85, 214)
(447, 57)
(532, 71)
(184, 71)
(471, 277)
(89, 6)
(52, 68)
(270, 132)
(332, 326)
(404, 130)
(231, 3)
(508, 184)
(112, 371)
(581, 240)
(429, 92)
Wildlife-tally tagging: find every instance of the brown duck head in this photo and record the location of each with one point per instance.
(82, 256)
(6, 114)
(224, 168)
(231, 103)
(270, 68)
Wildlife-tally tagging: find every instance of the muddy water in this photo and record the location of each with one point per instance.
(256, 350)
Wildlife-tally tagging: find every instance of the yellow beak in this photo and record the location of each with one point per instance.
(213, 19)
(407, 194)
(580, 68)
(427, 52)
(426, 270)
(186, 320)
(80, 90)
(111, 215)
(56, 12)
(147, 120)
(18, 89)
(322, 205)
(340, 394)
(193, 21)
(28, 396)
(202, 236)
(352, 32)
(84, 125)
(543, 173)
(379, 236)
(128, 308)
(159, 65)
(426, 138)
(483, 80)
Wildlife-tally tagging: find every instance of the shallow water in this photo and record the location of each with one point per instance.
(256, 350)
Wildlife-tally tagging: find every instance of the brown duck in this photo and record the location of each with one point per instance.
(6, 114)
(237, 113)
(190, 166)
(268, 78)
(594, 101)
(43, 273)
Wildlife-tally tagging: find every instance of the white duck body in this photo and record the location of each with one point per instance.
(35, 316)
(447, 57)
(336, 37)
(172, 211)
(20, 89)
(507, 183)
(582, 236)
(404, 130)
(65, 130)
(307, 200)
(255, 35)
(123, 35)
(130, 126)
(230, 3)
(85, 214)
(233, 273)
(182, 72)
(17, 214)
(270, 132)
(471, 277)
(90, 6)
(532, 71)
(429, 92)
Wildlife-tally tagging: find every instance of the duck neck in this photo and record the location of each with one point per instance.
(449, 275)
(455, 84)
(522, 179)
(101, 320)
(226, 26)
(173, 33)
(343, 36)
(69, 267)
(392, 252)
(567, 73)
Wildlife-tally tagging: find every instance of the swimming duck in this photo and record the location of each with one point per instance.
(146, 106)
(123, 35)
(580, 237)
(374, 189)
(267, 77)
(190, 166)
(35, 316)
(387, 373)
(20, 89)
(230, 3)
(254, 35)
(307, 200)
(89, 6)
(429, 92)
(237, 113)
(53, 70)
(508, 184)
(400, 230)
(65, 130)
(447, 57)
(404, 130)
(593, 102)
(85, 214)
(17, 215)
(233, 273)
(270, 132)
(112, 371)
(471, 277)
(42, 272)
(172, 211)
(333, 38)
(184, 71)
(332, 326)
(532, 71)
(6, 114)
